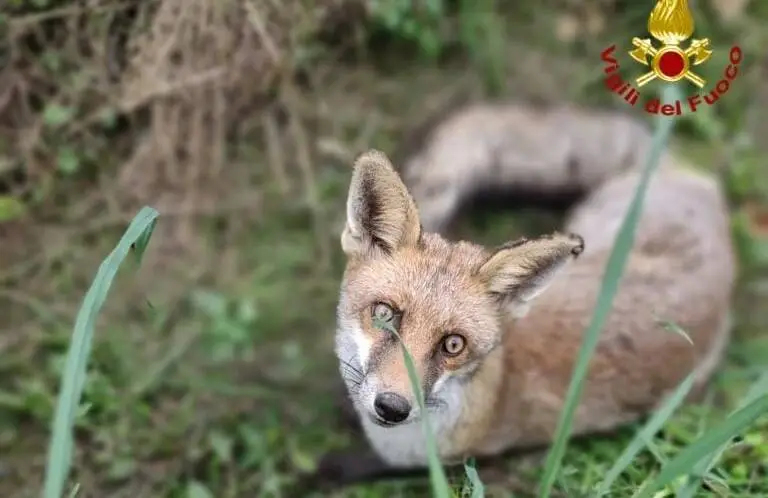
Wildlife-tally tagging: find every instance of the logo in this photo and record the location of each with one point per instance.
(670, 57)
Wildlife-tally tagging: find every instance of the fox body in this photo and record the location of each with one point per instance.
(494, 333)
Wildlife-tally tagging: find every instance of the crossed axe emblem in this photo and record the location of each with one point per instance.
(697, 53)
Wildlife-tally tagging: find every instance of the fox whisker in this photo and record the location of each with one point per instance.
(435, 403)
(352, 371)
(352, 374)
(352, 368)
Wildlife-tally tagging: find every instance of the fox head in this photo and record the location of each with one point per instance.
(447, 301)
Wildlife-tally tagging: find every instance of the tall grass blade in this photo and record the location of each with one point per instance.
(140, 245)
(438, 480)
(685, 461)
(675, 329)
(705, 465)
(475, 484)
(609, 286)
(645, 434)
(73, 380)
(75, 491)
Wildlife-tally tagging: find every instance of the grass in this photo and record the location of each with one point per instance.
(135, 238)
(225, 395)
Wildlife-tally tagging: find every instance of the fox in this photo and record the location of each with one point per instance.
(494, 332)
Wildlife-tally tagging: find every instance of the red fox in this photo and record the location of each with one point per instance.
(494, 332)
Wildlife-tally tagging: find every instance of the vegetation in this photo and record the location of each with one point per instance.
(206, 375)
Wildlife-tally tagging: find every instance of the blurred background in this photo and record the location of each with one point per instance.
(238, 120)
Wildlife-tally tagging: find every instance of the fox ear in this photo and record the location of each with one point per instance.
(381, 214)
(520, 271)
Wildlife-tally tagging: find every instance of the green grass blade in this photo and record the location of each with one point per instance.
(440, 486)
(475, 484)
(646, 433)
(610, 283)
(686, 460)
(140, 245)
(73, 380)
(705, 465)
(675, 329)
(75, 491)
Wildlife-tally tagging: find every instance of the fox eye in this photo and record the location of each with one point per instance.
(453, 345)
(383, 312)
(386, 314)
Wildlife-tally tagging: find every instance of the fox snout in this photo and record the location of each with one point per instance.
(385, 395)
(391, 408)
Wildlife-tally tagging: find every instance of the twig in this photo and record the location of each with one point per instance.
(256, 20)
(275, 155)
(165, 88)
(55, 13)
(303, 157)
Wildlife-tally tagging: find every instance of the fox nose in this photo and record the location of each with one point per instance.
(391, 407)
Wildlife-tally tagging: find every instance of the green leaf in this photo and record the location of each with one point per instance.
(10, 208)
(108, 118)
(121, 467)
(198, 490)
(609, 286)
(476, 485)
(222, 446)
(68, 161)
(56, 115)
(73, 380)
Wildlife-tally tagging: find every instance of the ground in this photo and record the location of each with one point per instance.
(212, 363)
